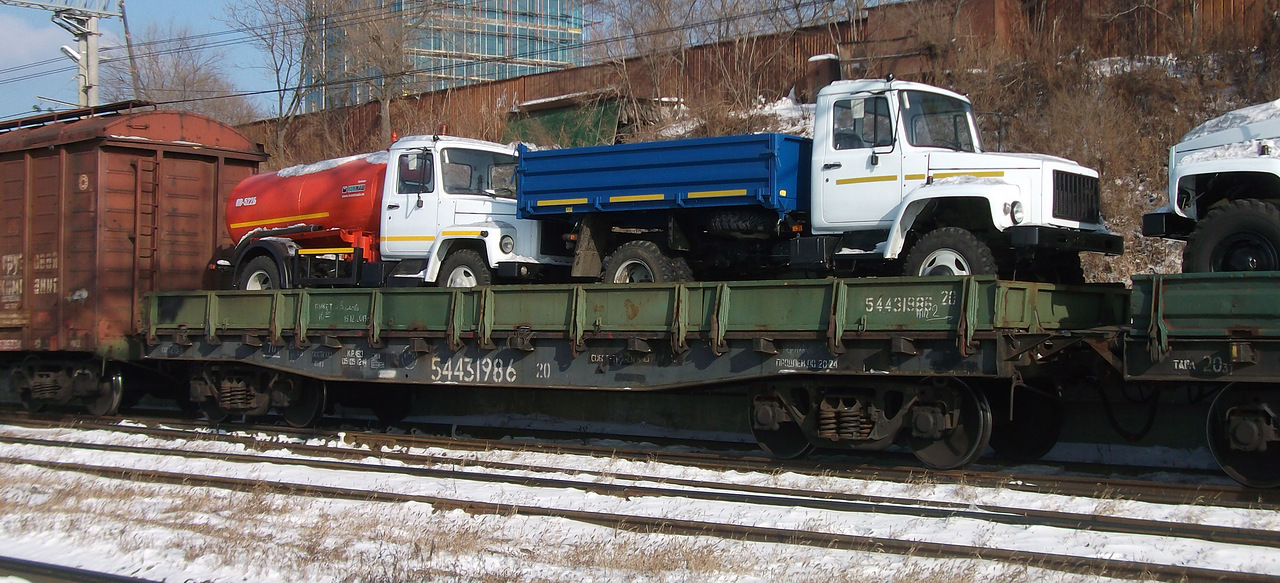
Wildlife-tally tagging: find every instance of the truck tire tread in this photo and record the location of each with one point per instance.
(264, 270)
(470, 259)
(648, 254)
(976, 254)
(1244, 222)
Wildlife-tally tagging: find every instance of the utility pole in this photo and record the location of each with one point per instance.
(133, 63)
(80, 18)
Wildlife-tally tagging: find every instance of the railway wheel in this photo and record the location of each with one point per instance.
(213, 412)
(949, 251)
(1025, 430)
(949, 426)
(306, 403)
(1244, 434)
(107, 401)
(641, 262)
(776, 431)
(464, 268)
(260, 273)
(390, 404)
(1241, 235)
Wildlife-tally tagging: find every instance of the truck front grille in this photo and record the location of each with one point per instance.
(1075, 197)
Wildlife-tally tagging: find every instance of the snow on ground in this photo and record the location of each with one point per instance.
(177, 533)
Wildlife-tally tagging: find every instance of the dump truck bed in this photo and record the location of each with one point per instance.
(768, 170)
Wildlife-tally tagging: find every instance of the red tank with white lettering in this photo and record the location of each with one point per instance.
(341, 194)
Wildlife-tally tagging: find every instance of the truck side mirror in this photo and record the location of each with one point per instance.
(875, 159)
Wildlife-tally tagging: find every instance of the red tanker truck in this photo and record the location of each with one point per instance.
(447, 216)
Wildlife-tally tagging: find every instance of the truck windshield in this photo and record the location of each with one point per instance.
(465, 171)
(938, 121)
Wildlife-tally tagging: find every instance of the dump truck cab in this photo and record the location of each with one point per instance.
(899, 173)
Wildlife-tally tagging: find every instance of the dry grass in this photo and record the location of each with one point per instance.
(258, 535)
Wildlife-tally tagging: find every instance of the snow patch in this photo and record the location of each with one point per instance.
(966, 179)
(1249, 149)
(380, 157)
(1235, 119)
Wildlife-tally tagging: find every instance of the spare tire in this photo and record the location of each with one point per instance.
(1241, 235)
(743, 223)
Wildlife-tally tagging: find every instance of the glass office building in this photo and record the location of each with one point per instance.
(459, 43)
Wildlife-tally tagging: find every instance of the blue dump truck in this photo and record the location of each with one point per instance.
(894, 181)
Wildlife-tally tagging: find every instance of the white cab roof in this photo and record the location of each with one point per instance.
(846, 87)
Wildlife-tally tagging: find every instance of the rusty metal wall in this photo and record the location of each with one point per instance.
(97, 211)
(1149, 27)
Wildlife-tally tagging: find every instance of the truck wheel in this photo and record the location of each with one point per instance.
(464, 268)
(743, 223)
(641, 262)
(1241, 235)
(949, 251)
(259, 273)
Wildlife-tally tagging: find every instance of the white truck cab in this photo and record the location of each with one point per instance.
(1224, 193)
(449, 215)
(899, 172)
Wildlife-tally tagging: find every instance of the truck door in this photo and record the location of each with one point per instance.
(409, 206)
(861, 165)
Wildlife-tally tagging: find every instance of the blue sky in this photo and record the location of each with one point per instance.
(27, 36)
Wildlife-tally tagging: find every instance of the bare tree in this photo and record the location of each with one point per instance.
(178, 73)
(286, 31)
(718, 57)
(375, 48)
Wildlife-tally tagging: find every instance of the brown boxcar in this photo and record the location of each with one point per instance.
(98, 206)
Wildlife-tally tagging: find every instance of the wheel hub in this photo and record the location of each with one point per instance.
(944, 262)
(634, 271)
(1247, 251)
(462, 277)
(768, 415)
(1250, 430)
(928, 422)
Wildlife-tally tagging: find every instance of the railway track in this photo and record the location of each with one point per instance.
(463, 466)
(1082, 480)
(37, 572)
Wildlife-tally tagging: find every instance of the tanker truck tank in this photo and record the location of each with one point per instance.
(332, 194)
(329, 209)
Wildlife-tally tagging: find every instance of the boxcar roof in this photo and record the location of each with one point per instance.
(172, 129)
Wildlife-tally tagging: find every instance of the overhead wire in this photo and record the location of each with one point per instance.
(365, 16)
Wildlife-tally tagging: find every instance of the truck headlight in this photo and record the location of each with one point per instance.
(1016, 213)
(507, 244)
